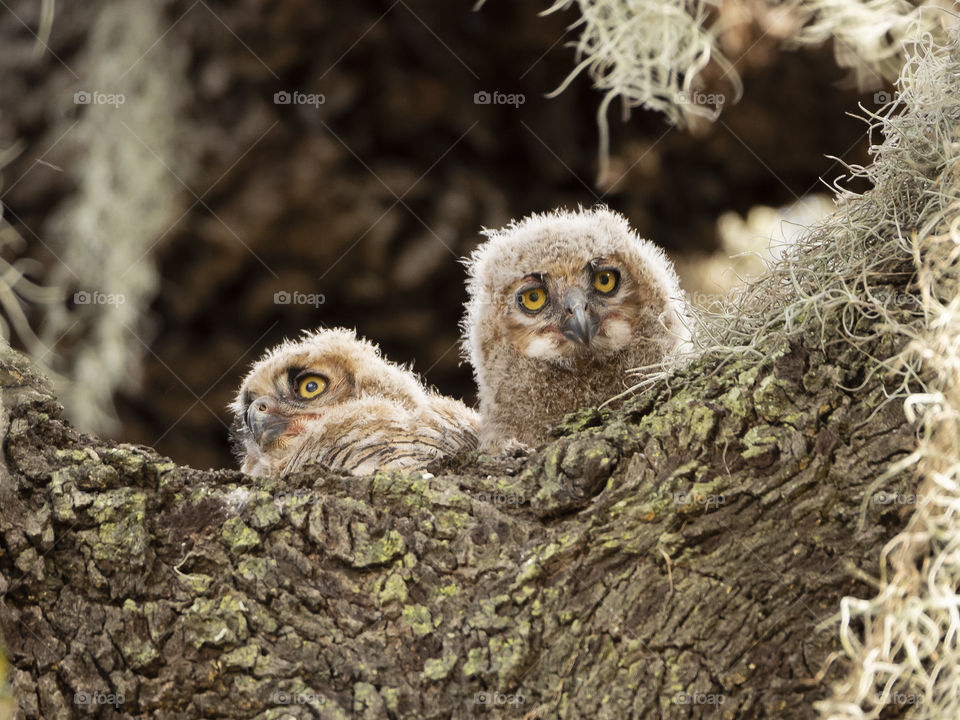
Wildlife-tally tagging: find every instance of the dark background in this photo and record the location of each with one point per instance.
(372, 198)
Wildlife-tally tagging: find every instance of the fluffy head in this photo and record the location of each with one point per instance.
(561, 305)
(331, 394)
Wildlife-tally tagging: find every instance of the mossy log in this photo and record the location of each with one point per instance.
(673, 558)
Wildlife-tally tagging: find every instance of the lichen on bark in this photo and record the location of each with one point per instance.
(673, 557)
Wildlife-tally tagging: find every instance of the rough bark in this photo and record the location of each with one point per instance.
(673, 558)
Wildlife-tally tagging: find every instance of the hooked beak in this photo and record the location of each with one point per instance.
(577, 324)
(265, 421)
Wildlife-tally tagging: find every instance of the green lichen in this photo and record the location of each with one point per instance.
(530, 570)
(239, 536)
(376, 551)
(622, 540)
(394, 589)
(451, 524)
(419, 620)
(242, 658)
(692, 470)
(123, 540)
(255, 569)
(735, 403)
(297, 507)
(139, 654)
(439, 668)
(261, 619)
(391, 698)
(70, 457)
(507, 654)
(197, 582)
(711, 491)
(476, 662)
(129, 463)
(748, 377)
(521, 596)
(758, 441)
(770, 398)
(536, 608)
(702, 423)
(581, 421)
(222, 622)
(118, 504)
(265, 513)
(446, 589)
(366, 700)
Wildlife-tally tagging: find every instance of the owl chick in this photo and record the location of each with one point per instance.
(560, 306)
(331, 398)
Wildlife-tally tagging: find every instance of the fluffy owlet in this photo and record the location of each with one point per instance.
(560, 306)
(330, 398)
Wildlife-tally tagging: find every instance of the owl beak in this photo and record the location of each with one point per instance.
(265, 421)
(577, 325)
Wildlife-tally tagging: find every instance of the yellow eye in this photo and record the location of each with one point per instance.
(605, 281)
(533, 299)
(311, 386)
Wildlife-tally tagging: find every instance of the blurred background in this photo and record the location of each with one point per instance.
(186, 183)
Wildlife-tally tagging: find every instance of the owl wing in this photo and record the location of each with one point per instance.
(364, 436)
(451, 425)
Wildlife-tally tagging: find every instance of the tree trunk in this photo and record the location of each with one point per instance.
(673, 558)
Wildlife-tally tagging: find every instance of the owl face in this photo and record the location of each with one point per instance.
(292, 390)
(563, 287)
(279, 403)
(567, 308)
